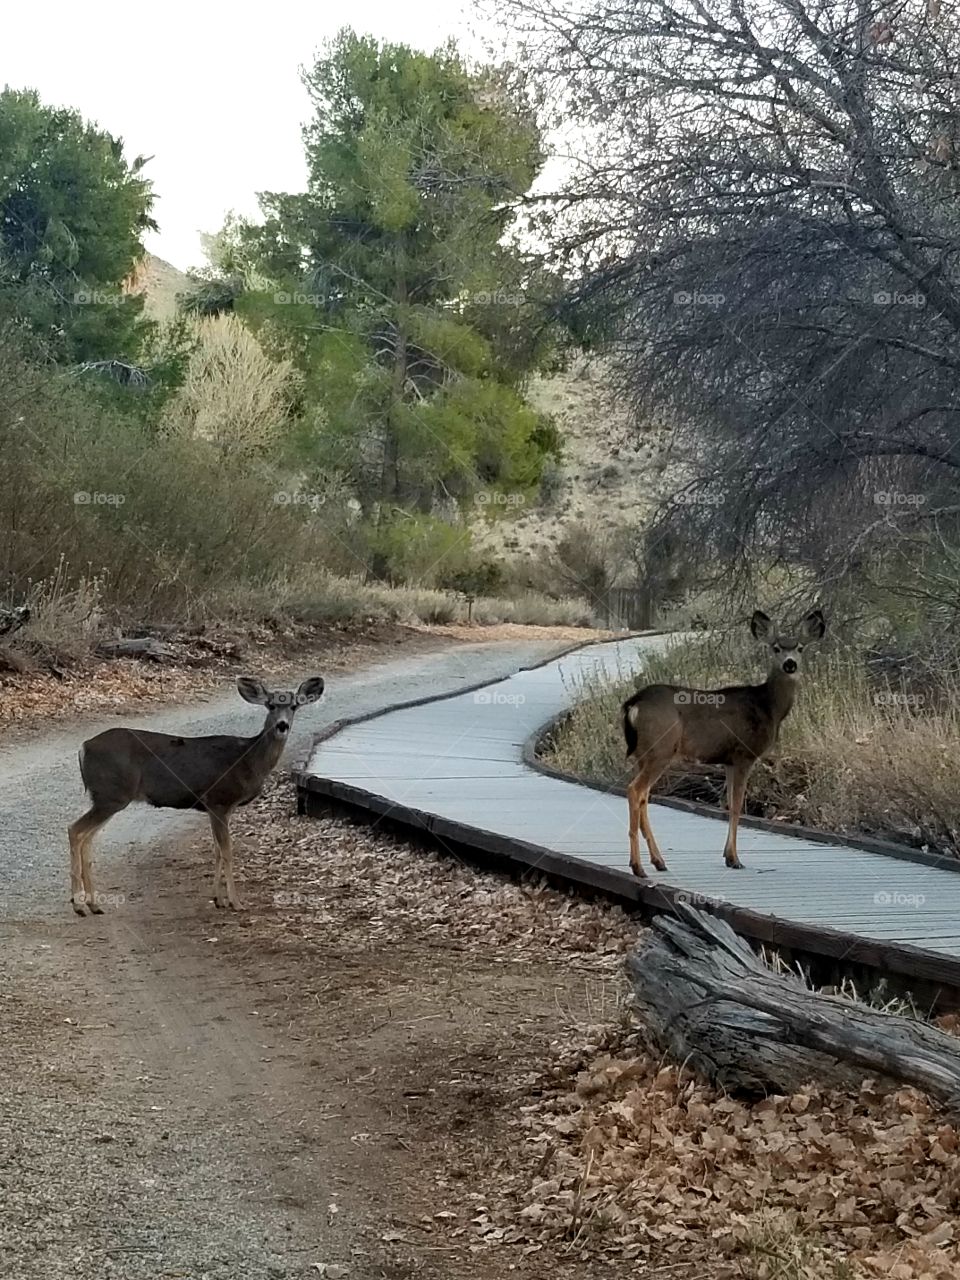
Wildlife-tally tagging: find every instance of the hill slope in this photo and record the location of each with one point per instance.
(159, 282)
(610, 479)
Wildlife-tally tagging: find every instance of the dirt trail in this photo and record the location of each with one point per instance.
(161, 1113)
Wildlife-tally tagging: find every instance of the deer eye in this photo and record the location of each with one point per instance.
(799, 648)
(776, 648)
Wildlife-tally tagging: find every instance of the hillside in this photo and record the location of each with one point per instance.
(609, 479)
(160, 283)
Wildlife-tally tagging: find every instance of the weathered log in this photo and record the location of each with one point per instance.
(707, 1000)
(135, 647)
(13, 619)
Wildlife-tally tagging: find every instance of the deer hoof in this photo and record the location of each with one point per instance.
(95, 910)
(734, 866)
(78, 907)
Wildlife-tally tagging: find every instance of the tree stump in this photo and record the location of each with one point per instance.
(707, 1000)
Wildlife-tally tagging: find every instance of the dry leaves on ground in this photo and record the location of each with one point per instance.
(371, 888)
(640, 1159)
(107, 686)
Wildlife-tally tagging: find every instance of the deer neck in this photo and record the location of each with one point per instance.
(781, 690)
(264, 752)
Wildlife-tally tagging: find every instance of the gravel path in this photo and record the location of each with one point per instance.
(152, 1122)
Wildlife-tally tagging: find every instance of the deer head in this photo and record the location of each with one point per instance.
(786, 648)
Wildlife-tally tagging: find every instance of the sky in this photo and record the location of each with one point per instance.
(211, 90)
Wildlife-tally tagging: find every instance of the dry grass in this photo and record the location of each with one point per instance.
(234, 394)
(859, 755)
(69, 619)
(318, 596)
(66, 621)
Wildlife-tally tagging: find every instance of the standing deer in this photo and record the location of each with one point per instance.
(733, 727)
(214, 774)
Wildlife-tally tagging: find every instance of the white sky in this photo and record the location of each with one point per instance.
(210, 89)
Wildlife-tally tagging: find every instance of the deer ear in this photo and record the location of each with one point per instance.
(310, 690)
(761, 625)
(813, 626)
(252, 690)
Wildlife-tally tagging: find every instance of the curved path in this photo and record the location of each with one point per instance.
(454, 767)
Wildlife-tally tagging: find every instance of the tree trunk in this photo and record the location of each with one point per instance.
(708, 1001)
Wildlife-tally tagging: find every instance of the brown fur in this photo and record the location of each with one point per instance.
(214, 774)
(733, 726)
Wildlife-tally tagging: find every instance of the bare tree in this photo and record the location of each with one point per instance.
(766, 232)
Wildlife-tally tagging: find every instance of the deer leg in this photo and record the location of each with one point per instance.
(81, 834)
(633, 804)
(656, 857)
(736, 789)
(638, 795)
(217, 872)
(219, 821)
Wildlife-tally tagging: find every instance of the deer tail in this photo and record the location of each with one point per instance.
(629, 728)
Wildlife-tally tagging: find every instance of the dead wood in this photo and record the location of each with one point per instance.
(707, 1000)
(135, 647)
(13, 619)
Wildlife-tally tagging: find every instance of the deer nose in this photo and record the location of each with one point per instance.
(282, 726)
(789, 666)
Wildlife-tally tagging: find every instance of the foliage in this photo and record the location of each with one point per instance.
(104, 515)
(389, 282)
(72, 211)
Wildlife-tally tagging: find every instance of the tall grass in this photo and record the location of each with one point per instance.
(859, 753)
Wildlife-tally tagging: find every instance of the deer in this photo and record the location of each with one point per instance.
(214, 774)
(735, 727)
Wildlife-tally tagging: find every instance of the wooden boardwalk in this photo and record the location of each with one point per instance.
(454, 767)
